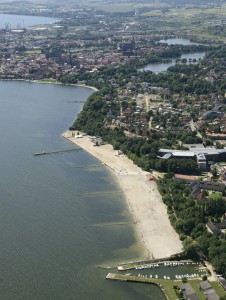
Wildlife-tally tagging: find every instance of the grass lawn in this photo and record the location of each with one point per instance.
(193, 12)
(114, 8)
(194, 284)
(47, 80)
(218, 288)
(154, 13)
(167, 285)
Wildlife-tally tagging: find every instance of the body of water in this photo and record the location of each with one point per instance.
(162, 67)
(54, 208)
(20, 21)
(178, 41)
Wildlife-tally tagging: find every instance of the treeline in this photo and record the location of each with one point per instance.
(190, 82)
(174, 51)
(189, 218)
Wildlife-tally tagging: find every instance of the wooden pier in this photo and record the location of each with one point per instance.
(113, 224)
(99, 193)
(76, 101)
(56, 152)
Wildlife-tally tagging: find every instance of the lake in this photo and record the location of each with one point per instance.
(162, 67)
(54, 208)
(20, 21)
(177, 41)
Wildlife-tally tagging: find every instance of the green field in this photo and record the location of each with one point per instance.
(114, 8)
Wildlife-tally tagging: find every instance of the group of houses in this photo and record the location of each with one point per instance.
(189, 293)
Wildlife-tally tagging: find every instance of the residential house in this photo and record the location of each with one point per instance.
(188, 292)
(208, 291)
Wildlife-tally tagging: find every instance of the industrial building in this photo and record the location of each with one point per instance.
(200, 155)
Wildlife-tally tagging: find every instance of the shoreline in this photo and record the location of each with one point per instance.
(52, 82)
(142, 196)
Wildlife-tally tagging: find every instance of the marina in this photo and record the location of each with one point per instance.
(164, 274)
(167, 269)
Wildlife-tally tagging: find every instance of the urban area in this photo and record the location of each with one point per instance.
(159, 73)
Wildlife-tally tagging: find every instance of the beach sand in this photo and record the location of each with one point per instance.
(143, 198)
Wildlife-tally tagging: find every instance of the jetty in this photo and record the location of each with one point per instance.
(76, 101)
(132, 278)
(167, 290)
(139, 279)
(55, 152)
(99, 193)
(113, 224)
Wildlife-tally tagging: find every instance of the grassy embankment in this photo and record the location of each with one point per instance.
(168, 286)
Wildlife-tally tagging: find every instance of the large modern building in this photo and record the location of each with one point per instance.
(200, 155)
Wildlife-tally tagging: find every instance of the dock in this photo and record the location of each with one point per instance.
(76, 101)
(55, 152)
(99, 193)
(131, 278)
(113, 224)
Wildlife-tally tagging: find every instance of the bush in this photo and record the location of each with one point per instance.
(184, 280)
(204, 277)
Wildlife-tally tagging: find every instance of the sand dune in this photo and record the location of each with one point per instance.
(144, 200)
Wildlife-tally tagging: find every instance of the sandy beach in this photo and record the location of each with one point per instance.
(143, 198)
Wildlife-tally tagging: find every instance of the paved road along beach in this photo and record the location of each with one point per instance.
(143, 198)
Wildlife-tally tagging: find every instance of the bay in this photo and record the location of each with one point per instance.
(23, 21)
(53, 207)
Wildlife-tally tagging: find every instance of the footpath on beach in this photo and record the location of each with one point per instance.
(142, 195)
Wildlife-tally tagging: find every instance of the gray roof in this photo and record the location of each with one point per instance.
(211, 295)
(201, 156)
(188, 291)
(195, 151)
(205, 285)
(223, 282)
(193, 297)
(213, 228)
(208, 291)
(166, 156)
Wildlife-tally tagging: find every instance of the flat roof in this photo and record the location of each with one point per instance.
(166, 156)
(196, 151)
(183, 153)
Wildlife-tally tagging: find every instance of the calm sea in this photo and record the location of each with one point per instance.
(53, 208)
